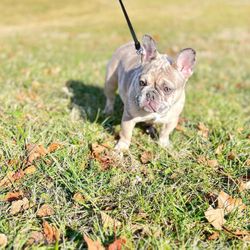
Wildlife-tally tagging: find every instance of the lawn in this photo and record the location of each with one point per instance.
(56, 147)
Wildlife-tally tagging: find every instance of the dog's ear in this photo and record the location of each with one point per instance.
(185, 62)
(149, 49)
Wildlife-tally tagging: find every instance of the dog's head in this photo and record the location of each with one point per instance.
(162, 80)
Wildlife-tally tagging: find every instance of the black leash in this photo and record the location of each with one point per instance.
(138, 47)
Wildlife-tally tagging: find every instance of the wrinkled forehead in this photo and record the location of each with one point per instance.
(161, 70)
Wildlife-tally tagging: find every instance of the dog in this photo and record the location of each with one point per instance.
(151, 87)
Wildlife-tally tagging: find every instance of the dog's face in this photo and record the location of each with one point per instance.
(162, 80)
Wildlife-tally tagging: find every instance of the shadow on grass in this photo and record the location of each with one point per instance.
(90, 100)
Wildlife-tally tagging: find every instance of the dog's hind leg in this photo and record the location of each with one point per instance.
(111, 83)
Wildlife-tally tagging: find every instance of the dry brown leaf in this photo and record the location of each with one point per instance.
(242, 232)
(109, 222)
(30, 170)
(12, 196)
(248, 162)
(212, 163)
(93, 245)
(34, 152)
(35, 238)
(19, 205)
(225, 201)
(231, 156)
(215, 217)
(244, 186)
(180, 128)
(45, 210)
(54, 146)
(146, 157)
(219, 149)
(203, 130)
(51, 233)
(3, 240)
(102, 155)
(11, 177)
(78, 197)
(214, 236)
(117, 244)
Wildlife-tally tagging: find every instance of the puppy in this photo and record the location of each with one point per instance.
(151, 86)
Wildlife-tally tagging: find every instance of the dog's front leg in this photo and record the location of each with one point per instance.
(127, 126)
(165, 132)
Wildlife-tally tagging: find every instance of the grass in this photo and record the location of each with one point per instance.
(48, 45)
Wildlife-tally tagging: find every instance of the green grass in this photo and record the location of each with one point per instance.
(78, 38)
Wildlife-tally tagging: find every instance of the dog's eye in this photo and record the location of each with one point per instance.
(142, 83)
(168, 90)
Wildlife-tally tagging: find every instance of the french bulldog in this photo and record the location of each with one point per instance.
(151, 86)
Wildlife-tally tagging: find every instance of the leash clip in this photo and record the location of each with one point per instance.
(139, 51)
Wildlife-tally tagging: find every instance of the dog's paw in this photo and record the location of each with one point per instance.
(121, 146)
(165, 143)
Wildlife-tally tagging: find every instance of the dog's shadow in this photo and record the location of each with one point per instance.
(89, 100)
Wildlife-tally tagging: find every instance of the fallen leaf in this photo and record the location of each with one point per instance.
(203, 130)
(146, 157)
(242, 232)
(180, 128)
(212, 163)
(78, 197)
(244, 186)
(102, 155)
(219, 149)
(30, 169)
(3, 240)
(12, 196)
(35, 238)
(11, 177)
(117, 244)
(225, 201)
(248, 162)
(54, 146)
(45, 210)
(19, 205)
(109, 222)
(215, 217)
(34, 152)
(51, 233)
(214, 236)
(231, 156)
(93, 245)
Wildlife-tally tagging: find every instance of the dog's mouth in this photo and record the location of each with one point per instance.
(152, 107)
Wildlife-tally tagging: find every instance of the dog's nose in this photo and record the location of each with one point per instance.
(151, 96)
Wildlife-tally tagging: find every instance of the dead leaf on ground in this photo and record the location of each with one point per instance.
(78, 197)
(11, 177)
(225, 201)
(203, 130)
(45, 210)
(34, 152)
(109, 222)
(18, 206)
(54, 146)
(51, 233)
(219, 149)
(101, 153)
(212, 163)
(244, 186)
(248, 162)
(3, 240)
(30, 169)
(35, 238)
(12, 196)
(231, 156)
(214, 236)
(146, 157)
(215, 217)
(117, 244)
(93, 245)
(180, 128)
